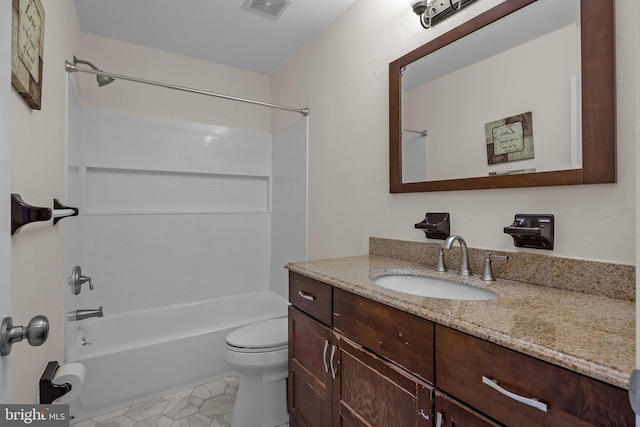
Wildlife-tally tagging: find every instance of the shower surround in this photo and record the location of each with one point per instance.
(173, 213)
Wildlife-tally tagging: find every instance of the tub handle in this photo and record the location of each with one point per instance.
(77, 280)
(324, 356)
(306, 295)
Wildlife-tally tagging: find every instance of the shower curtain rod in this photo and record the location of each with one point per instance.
(70, 68)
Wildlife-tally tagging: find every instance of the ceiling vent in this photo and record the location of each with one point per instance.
(271, 9)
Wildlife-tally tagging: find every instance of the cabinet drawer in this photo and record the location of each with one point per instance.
(311, 296)
(465, 364)
(403, 338)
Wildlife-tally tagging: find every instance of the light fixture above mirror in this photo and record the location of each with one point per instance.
(433, 11)
(588, 89)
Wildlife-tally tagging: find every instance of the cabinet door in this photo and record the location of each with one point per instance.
(369, 391)
(310, 383)
(450, 413)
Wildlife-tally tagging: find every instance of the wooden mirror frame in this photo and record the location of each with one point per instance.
(598, 105)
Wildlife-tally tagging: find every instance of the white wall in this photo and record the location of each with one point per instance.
(342, 76)
(39, 175)
(152, 64)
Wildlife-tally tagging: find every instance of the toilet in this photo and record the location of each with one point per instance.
(259, 351)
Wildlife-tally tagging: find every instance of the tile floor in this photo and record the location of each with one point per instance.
(208, 405)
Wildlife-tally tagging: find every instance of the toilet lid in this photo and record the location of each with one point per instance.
(266, 334)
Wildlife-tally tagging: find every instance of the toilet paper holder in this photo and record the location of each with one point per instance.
(48, 390)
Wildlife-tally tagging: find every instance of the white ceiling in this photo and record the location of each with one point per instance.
(220, 31)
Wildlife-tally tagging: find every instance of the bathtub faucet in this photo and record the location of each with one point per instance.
(84, 314)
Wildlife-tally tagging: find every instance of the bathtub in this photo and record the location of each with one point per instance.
(135, 356)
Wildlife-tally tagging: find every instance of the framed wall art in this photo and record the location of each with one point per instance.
(27, 46)
(510, 139)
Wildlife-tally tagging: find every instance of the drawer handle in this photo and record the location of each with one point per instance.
(526, 400)
(324, 356)
(306, 295)
(333, 370)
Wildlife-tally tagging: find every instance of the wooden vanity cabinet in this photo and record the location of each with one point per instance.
(354, 362)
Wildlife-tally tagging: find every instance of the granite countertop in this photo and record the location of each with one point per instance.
(588, 334)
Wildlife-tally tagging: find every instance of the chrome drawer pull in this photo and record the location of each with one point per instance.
(526, 400)
(324, 356)
(306, 295)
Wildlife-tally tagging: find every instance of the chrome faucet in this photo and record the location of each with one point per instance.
(84, 314)
(464, 269)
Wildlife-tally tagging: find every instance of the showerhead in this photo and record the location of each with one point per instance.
(102, 79)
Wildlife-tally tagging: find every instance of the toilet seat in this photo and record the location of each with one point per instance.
(266, 336)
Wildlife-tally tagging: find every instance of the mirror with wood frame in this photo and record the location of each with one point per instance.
(471, 135)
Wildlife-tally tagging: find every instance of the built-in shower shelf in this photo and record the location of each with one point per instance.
(176, 212)
(95, 167)
(118, 191)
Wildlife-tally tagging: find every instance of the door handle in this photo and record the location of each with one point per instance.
(324, 356)
(333, 370)
(36, 333)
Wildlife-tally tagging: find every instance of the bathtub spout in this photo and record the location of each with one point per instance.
(84, 314)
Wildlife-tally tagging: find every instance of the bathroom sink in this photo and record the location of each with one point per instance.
(432, 287)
